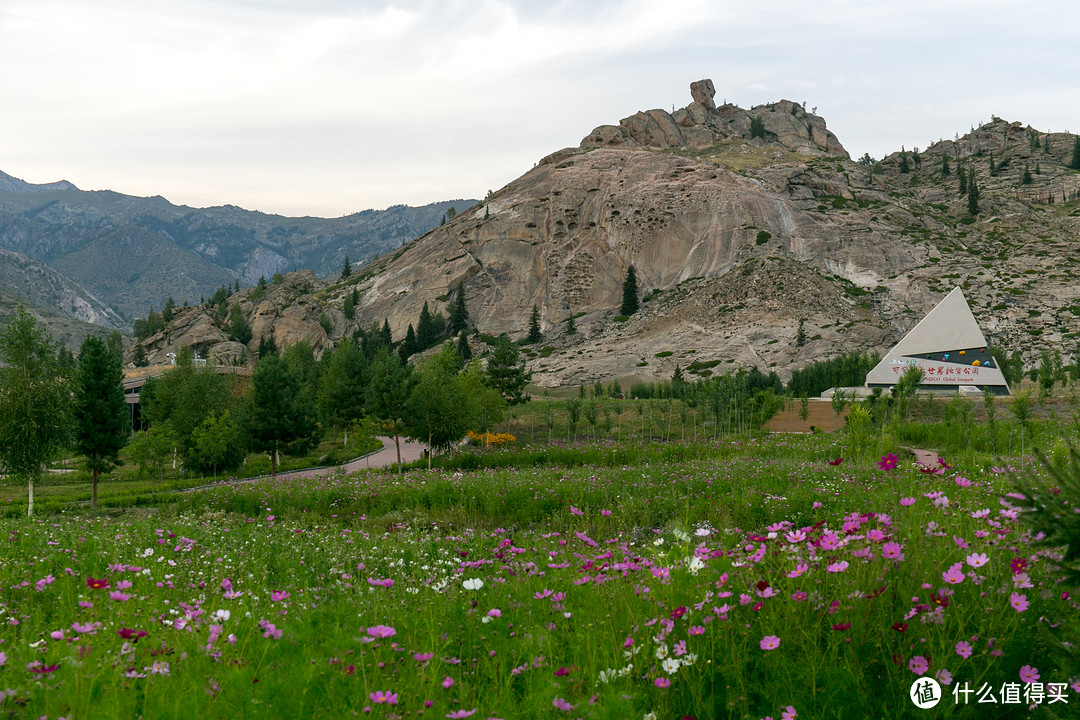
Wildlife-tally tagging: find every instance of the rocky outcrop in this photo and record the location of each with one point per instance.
(701, 124)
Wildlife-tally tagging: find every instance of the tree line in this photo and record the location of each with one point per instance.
(210, 421)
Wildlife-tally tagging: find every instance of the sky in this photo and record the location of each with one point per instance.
(329, 107)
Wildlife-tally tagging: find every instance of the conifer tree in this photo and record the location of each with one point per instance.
(629, 293)
(426, 332)
(534, 325)
(464, 351)
(348, 308)
(388, 395)
(101, 415)
(346, 271)
(384, 337)
(1026, 178)
(571, 328)
(904, 167)
(459, 314)
(281, 413)
(945, 165)
(506, 371)
(1074, 163)
(409, 345)
(973, 194)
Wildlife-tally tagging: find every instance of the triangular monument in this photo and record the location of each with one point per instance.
(949, 347)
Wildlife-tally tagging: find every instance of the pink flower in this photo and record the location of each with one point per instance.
(770, 642)
(696, 630)
(954, 575)
(494, 613)
(1029, 674)
(799, 570)
(423, 657)
(278, 595)
(1019, 602)
(379, 697)
(575, 511)
(458, 714)
(789, 713)
(963, 649)
(906, 501)
(838, 567)
(962, 481)
(661, 682)
(561, 704)
(943, 676)
(605, 513)
(119, 596)
(798, 595)
(448, 682)
(918, 665)
(381, 631)
(892, 551)
(977, 560)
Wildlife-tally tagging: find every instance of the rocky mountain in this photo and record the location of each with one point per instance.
(68, 311)
(133, 253)
(743, 225)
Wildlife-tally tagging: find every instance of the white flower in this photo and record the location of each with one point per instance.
(606, 676)
(148, 552)
(688, 659)
(649, 716)
(695, 564)
(661, 651)
(681, 536)
(473, 584)
(222, 615)
(671, 666)
(485, 619)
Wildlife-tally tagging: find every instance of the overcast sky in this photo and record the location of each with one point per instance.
(327, 107)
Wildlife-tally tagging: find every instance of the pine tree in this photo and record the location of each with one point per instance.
(800, 336)
(426, 333)
(238, 326)
(973, 194)
(463, 349)
(102, 425)
(139, 356)
(384, 338)
(348, 308)
(1074, 163)
(388, 395)
(945, 165)
(346, 271)
(904, 167)
(961, 176)
(167, 313)
(534, 326)
(409, 345)
(629, 293)
(506, 371)
(571, 328)
(1026, 178)
(459, 314)
(267, 345)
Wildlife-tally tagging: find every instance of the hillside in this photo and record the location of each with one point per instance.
(739, 223)
(133, 253)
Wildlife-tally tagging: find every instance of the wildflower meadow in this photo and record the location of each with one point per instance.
(760, 577)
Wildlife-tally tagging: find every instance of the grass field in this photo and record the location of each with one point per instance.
(739, 577)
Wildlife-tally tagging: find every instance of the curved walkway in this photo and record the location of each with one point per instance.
(385, 457)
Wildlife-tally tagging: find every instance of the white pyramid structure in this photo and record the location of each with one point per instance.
(950, 348)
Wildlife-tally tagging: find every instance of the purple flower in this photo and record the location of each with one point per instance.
(963, 649)
(458, 714)
(888, 462)
(954, 575)
(378, 697)
(918, 665)
(1029, 674)
(1019, 602)
(381, 631)
(769, 642)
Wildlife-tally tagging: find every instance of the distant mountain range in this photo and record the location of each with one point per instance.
(124, 255)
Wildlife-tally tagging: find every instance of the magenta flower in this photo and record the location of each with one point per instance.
(605, 513)
(696, 630)
(918, 665)
(119, 596)
(789, 713)
(906, 501)
(892, 551)
(770, 642)
(381, 631)
(458, 714)
(954, 575)
(943, 676)
(888, 462)
(278, 595)
(838, 567)
(379, 697)
(575, 511)
(662, 682)
(963, 649)
(448, 682)
(977, 560)
(1019, 602)
(423, 657)
(561, 704)
(798, 595)
(1029, 674)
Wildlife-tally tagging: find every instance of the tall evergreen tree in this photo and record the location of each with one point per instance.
(102, 425)
(459, 314)
(464, 351)
(167, 313)
(961, 178)
(1074, 163)
(506, 371)
(115, 343)
(35, 400)
(346, 271)
(388, 396)
(238, 325)
(348, 307)
(973, 194)
(267, 345)
(904, 166)
(384, 338)
(534, 325)
(280, 414)
(571, 328)
(945, 165)
(629, 293)
(408, 346)
(342, 385)
(425, 329)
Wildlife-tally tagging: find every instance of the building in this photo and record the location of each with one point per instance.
(951, 350)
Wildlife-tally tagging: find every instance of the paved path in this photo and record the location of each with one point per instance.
(385, 457)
